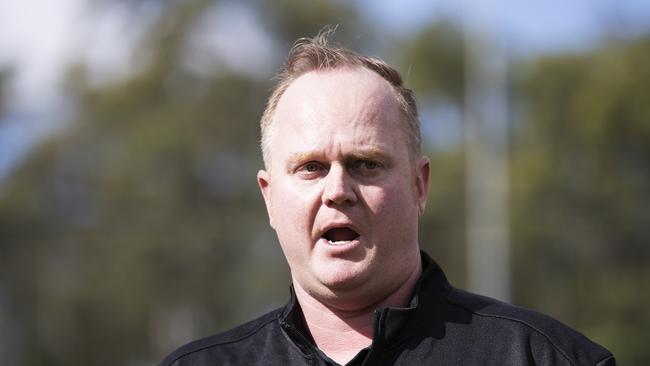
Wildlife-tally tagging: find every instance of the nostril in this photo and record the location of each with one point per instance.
(340, 196)
(339, 187)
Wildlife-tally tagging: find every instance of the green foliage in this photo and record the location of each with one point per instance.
(434, 61)
(442, 228)
(581, 203)
(432, 65)
(292, 19)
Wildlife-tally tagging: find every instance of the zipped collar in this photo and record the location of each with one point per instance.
(389, 322)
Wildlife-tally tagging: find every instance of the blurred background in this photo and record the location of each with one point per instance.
(131, 222)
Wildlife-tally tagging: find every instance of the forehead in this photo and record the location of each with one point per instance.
(324, 107)
(342, 88)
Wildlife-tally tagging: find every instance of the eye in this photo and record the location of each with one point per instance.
(311, 167)
(310, 170)
(370, 165)
(367, 167)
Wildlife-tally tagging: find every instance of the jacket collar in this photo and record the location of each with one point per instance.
(389, 322)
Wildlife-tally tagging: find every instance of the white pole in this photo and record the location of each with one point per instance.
(486, 152)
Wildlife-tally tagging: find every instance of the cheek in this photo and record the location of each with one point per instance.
(392, 211)
(293, 210)
(290, 226)
(391, 199)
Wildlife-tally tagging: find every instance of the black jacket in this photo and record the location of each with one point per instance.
(442, 326)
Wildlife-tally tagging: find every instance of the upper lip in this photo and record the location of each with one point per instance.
(336, 225)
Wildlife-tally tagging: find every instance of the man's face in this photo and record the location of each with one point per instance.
(342, 190)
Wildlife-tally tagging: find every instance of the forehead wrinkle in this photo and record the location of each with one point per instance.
(378, 108)
(368, 131)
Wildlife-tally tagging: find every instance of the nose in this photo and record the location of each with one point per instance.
(338, 188)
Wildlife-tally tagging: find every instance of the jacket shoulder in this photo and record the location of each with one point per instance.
(555, 336)
(234, 335)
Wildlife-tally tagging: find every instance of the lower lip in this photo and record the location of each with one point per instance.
(339, 247)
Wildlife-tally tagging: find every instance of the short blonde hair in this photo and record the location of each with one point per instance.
(313, 54)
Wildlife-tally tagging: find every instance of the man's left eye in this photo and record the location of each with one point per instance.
(367, 166)
(370, 165)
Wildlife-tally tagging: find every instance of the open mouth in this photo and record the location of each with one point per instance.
(340, 235)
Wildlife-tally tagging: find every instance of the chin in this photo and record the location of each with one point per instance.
(342, 280)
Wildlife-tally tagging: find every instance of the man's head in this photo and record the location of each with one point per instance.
(314, 54)
(344, 185)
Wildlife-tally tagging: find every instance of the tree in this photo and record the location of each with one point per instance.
(581, 169)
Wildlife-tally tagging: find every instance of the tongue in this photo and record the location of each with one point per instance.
(340, 234)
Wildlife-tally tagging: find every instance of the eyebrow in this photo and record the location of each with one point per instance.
(299, 157)
(369, 154)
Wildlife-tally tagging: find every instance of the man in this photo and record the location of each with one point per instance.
(344, 185)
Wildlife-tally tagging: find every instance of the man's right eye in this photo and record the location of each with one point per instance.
(310, 170)
(311, 167)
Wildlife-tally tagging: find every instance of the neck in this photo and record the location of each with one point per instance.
(341, 334)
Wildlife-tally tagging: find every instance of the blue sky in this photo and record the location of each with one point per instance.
(528, 26)
(38, 45)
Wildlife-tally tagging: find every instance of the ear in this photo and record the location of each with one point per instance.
(264, 181)
(422, 183)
